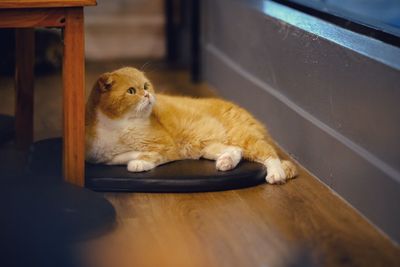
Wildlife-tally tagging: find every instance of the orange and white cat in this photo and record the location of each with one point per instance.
(127, 123)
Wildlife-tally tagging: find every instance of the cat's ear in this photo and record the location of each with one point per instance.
(105, 82)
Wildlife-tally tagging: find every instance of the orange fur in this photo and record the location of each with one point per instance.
(120, 131)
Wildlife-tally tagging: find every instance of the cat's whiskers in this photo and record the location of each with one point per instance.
(142, 68)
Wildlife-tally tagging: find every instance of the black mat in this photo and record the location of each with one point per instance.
(179, 176)
(6, 128)
(13, 161)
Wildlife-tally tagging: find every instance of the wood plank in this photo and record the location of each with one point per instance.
(74, 97)
(45, 3)
(301, 223)
(29, 18)
(24, 83)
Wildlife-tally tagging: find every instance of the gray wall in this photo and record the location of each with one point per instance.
(125, 29)
(328, 96)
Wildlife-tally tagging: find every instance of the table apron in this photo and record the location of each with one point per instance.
(33, 17)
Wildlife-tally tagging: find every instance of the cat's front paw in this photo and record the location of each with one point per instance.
(140, 165)
(275, 172)
(228, 160)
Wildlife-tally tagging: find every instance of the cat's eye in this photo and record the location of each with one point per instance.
(146, 86)
(131, 90)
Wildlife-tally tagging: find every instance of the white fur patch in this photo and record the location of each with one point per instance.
(108, 132)
(275, 172)
(104, 142)
(229, 159)
(124, 158)
(140, 165)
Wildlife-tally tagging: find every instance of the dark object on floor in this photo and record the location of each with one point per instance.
(44, 218)
(6, 128)
(179, 176)
(13, 162)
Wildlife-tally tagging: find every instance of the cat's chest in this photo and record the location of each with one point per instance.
(103, 146)
(114, 137)
(106, 139)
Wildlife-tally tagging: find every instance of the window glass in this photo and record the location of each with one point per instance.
(383, 15)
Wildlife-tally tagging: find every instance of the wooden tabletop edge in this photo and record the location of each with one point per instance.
(8, 4)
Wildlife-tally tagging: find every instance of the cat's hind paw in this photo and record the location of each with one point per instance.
(140, 165)
(275, 172)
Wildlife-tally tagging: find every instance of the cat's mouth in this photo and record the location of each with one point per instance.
(149, 101)
(145, 105)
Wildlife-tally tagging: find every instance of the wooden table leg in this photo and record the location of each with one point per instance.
(74, 97)
(24, 80)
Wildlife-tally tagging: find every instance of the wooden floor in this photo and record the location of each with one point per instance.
(301, 223)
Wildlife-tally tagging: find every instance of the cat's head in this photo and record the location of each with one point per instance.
(125, 92)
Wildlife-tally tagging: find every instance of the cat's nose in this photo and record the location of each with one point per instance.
(146, 94)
